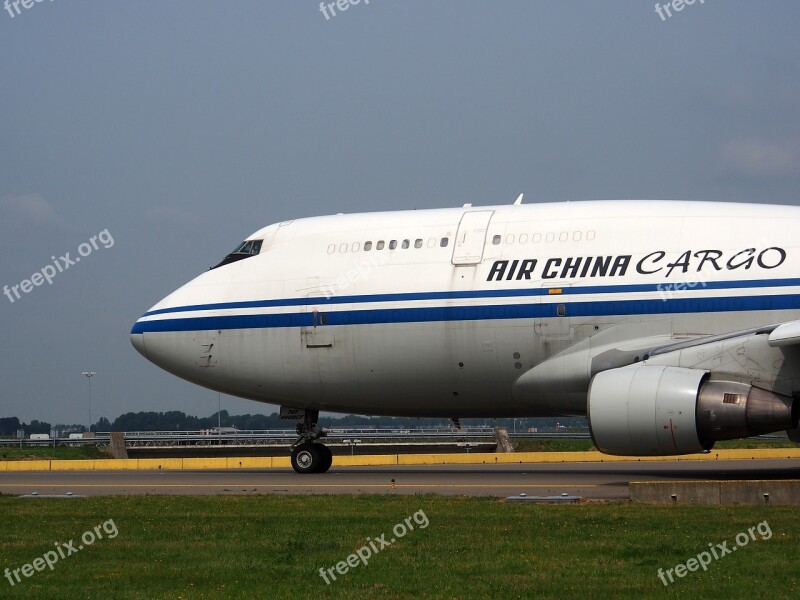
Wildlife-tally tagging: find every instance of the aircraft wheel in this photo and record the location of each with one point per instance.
(310, 458)
(327, 457)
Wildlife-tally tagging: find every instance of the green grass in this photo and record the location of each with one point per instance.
(552, 445)
(48, 452)
(749, 443)
(273, 546)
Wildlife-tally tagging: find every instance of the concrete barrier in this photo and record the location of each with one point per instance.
(751, 493)
(28, 465)
(472, 458)
(378, 460)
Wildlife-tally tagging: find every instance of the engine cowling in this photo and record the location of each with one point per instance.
(663, 411)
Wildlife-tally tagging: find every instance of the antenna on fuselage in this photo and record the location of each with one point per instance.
(518, 201)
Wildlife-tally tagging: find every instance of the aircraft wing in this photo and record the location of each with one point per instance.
(662, 394)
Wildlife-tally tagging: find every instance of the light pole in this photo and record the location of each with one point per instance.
(219, 417)
(352, 444)
(89, 375)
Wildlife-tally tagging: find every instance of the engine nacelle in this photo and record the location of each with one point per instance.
(663, 411)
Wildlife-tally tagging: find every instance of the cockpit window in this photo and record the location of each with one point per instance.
(244, 250)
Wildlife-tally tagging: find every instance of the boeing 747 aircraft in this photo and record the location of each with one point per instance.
(671, 324)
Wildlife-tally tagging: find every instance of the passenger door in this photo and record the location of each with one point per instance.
(471, 237)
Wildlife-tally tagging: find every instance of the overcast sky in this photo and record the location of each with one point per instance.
(181, 127)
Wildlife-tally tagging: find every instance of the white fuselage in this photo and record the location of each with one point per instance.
(457, 304)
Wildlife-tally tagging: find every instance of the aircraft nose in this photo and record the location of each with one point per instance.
(137, 339)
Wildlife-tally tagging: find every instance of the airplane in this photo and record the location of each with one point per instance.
(671, 324)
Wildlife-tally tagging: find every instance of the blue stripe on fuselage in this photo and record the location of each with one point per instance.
(543, 290)
(479, 313)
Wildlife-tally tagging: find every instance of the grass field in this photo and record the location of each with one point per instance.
(48, 452)
(533, 445)
(273, 547)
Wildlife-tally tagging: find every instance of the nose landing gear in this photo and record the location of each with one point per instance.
(309, 455)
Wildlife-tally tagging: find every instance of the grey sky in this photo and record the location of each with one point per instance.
(183, 126)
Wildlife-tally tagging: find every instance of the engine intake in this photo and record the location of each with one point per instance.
(663, 411)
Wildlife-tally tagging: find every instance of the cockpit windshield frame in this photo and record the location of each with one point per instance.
(246, 249)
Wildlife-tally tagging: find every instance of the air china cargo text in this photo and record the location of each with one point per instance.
(657, 262)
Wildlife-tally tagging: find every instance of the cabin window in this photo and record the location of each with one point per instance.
(392, 244)
(510, 238)
(406, 244)
(496, 240)
(523, 238)
(431, 242)
(331, 248)
(380, 245)
(418, 243)
(367, 246)
(444, 242)
(343, 247)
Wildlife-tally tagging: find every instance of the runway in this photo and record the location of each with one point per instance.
(601, 481)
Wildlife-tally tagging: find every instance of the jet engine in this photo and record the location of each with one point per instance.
(662, 411)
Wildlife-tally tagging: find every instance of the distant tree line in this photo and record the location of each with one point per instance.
(10, 425)
(180, 421)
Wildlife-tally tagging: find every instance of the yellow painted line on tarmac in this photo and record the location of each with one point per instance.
(233, 463)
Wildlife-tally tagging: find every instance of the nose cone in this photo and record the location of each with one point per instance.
(137, 339)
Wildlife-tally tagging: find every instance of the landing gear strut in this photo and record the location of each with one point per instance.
(309, 455)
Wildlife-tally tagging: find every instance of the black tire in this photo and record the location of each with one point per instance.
(327, 458)
(311, 458)
(306, 458)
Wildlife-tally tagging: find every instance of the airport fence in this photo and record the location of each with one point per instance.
(273, 437)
